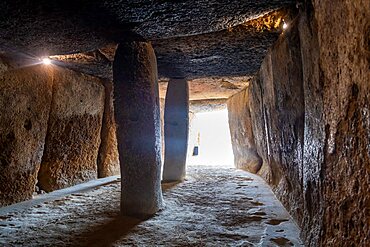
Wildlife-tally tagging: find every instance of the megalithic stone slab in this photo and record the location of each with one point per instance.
(108, 158)
(74, 131)
(176, 129)
(25, 99)
(137, 116)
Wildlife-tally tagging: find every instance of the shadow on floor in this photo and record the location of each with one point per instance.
(106, 234)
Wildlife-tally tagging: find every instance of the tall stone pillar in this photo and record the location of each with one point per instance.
(176, 129)
(136, 105)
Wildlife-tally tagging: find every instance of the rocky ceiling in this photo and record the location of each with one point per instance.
(217, 45)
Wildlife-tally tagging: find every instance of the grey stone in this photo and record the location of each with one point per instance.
(136, 104)
(61, 27)
(176, 130)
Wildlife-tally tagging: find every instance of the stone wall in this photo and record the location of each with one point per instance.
(73, 137)
(108, 158)
(242, 139)
(344, 58)
(25, 100)
(314, 129)
(277, 112)
(310, 109)
(52, 118)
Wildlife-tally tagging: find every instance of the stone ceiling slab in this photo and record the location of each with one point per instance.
(42, 27)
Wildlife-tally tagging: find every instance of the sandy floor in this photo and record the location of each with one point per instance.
(213, 207)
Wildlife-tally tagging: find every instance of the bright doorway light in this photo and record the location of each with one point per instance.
(209, 140)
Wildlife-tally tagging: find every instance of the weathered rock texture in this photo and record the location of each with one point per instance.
(42, 27)
(314, 129)
(137, 115)
(161, 109)
(74, 128)
(108, 158)
(207, 105)
(52, 117)
(216, 64)
(25, 99)
(176, 130)
(4, 66)
(242, 139)
(277, 111)
(236, 51)
(310, 115)
(344, 60)
(99, 63)
(210, 88)
(158, 20)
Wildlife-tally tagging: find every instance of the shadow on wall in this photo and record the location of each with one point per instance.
(209, 140)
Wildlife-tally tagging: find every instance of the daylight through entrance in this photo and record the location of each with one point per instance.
(209, 140)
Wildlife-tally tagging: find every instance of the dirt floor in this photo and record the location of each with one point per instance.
(213, 207)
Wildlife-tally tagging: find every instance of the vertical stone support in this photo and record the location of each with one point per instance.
(176, 130)
(137, 116)
(108, 158)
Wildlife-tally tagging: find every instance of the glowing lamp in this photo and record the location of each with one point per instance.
(46, 61)
(285, 26)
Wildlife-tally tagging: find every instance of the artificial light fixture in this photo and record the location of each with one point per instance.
(285, 26)
(46, 61)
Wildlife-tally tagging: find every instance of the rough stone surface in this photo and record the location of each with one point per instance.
(242, 139)
(99, 64)
(217, 64)
(108, 158)
(40, 28)
(74, 128)
(314, 128)
(176, 130)
(211, 88)
(161, 108)
(162, 19)
(309, 103)
(208, 105)
(277, 114)
(25, 99)
(235, 52)
(137, 114)
(214, 207)
(4, 66)
(67, 26)
(310, 113)
(336, 173)
(345, 174)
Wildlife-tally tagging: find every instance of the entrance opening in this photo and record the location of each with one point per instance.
(210, 140)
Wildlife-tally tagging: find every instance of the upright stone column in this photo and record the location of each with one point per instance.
(176, 129)
(136, 107)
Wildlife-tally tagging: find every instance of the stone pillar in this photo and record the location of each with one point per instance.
(176, 129)
(137, 116)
